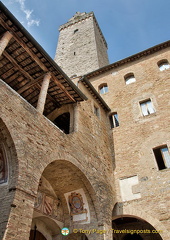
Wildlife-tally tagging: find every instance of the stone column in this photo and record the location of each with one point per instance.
(43, 93)
(4, 41)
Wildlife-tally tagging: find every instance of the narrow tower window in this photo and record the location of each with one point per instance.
(96, 111)
(103, 88)
(162, 157)
(76, 30)
(114, 121)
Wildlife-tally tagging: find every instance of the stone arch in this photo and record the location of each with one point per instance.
(120, 211)
(8, 187)
(58, 181)
(45, 226)
(66, 109)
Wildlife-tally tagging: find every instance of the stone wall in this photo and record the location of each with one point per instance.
(38, 143)
(137, 135)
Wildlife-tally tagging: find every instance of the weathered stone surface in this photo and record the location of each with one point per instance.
(81, 46)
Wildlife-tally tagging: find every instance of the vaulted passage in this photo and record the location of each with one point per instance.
(64, 196)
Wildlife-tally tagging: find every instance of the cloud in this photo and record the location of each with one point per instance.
(30, 21)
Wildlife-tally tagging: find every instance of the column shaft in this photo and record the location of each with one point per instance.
(4, 41)
(43, 93)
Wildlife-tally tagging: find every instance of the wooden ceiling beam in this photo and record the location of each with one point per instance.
(28, 50)
(33, 81)
(30, 84)
(62, 88)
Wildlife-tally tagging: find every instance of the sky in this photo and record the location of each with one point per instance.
(129, 26)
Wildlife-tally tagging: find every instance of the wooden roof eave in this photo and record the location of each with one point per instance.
(42, 51)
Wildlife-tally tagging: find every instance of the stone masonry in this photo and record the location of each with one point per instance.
(81, 46)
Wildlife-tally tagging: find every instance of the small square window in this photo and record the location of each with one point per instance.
(162, 157)
(147, 107)
(114, 121)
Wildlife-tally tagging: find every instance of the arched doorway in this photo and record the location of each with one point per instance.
(128, 227)
(36, 235)
(64, 196)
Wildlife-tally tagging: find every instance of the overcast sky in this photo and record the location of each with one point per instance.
(129, 26)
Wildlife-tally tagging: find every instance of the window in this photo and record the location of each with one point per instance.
(147, 107)
(162, 157)
(130, 78)
(114, 121)
(96, 111)
(163, 65)
(76, 30)
(103, 88)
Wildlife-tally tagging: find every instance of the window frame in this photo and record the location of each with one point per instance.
(129, 76)
(160, 157)
(162, 65)
(147, 109)
(103, 87)
(96, 111)
(114, 121)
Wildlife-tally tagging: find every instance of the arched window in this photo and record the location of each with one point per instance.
(163, 65)
(103, 88)
(3, 166)
(129, 78)
(63, 122)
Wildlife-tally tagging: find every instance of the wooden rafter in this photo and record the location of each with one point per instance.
(28, 50)
(30, 84)
(62, 87)
(33, 81)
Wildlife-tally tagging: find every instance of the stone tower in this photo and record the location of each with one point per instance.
(82, 47)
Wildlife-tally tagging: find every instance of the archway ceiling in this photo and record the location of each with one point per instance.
(64, 177)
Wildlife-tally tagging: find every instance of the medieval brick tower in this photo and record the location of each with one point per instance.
(82, 47)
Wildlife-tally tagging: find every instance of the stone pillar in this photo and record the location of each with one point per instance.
(4, 41)
(43, 93)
